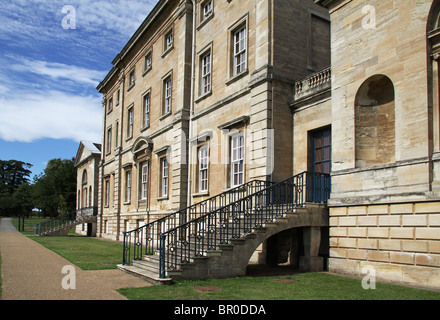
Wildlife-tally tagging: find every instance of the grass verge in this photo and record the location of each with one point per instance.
(29, 224)
(86, 253)
(301, 286)
(0, 275)
(95, 254)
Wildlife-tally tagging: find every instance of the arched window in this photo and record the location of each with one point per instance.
(84, 178)
(84, 188)
(375, 122)
(433, 33)
(90, 196)
(434, 16)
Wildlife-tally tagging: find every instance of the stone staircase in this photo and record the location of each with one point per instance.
(231, 259)
(64, 229)
(61, 225)
(147, 268)
(220, 243)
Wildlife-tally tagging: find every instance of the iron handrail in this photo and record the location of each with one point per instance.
(145, 239)
(55, 222)
(64, 219)
(195, 238)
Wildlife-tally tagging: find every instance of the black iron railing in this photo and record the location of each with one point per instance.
(195, 238)
(145, 240)
(62, 220)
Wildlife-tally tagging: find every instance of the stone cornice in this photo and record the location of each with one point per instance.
(329, 3)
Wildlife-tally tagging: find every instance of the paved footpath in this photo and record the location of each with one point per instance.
(31, 272)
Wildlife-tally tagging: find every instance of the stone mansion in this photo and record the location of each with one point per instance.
(208, 95)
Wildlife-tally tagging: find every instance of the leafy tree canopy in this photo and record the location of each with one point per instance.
(15, 195)
(55, 190)
(12, 174)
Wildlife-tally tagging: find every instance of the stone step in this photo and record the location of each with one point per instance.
(151, 277)
(153, 258)
(147, 265)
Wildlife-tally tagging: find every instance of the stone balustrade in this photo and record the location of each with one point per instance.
(313, 84)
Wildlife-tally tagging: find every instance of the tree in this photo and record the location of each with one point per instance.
(54, 191)
(13, 174)
(24, 200)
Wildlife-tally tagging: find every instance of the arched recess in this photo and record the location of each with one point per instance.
(84, 178)
(84, 188)
(303, 220)
(90, 196)
(433, 56)
(375, 122)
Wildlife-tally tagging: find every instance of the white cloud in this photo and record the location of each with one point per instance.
(43, 98)
(53, 104)
(119, 16)
(43, 18)
(53, 114)
(3, 89)
(59, 71)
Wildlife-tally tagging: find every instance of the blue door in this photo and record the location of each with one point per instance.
(322, 151)
(319, 183)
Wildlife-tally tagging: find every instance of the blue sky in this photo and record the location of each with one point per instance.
(53, 54)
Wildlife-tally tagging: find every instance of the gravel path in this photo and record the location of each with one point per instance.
(32, 272)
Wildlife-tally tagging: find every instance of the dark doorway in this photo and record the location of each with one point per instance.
(89, 229)
(285, 248)
(321, 150)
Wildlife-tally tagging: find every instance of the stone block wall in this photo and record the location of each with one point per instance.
(384, 206)
(401, 241)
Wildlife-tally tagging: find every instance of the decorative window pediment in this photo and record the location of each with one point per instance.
(433, 29)
(142, 148)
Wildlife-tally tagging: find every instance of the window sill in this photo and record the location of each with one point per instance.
(130, 87)
(145, 128)
(203, 96)
(229, 189)
(205, 21)
(201, 194)
(236, 77)
(146, 71)
(168, 50)
(162, 198)
(165, 115)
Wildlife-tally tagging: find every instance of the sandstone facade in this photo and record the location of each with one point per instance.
(217, 77)
(87, 162)
(232, 91)
(385, 200)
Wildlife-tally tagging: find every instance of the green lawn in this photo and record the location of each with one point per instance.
(29, 224)
(86, 253)
(0, 275)
(95, 254)
(305, 286)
